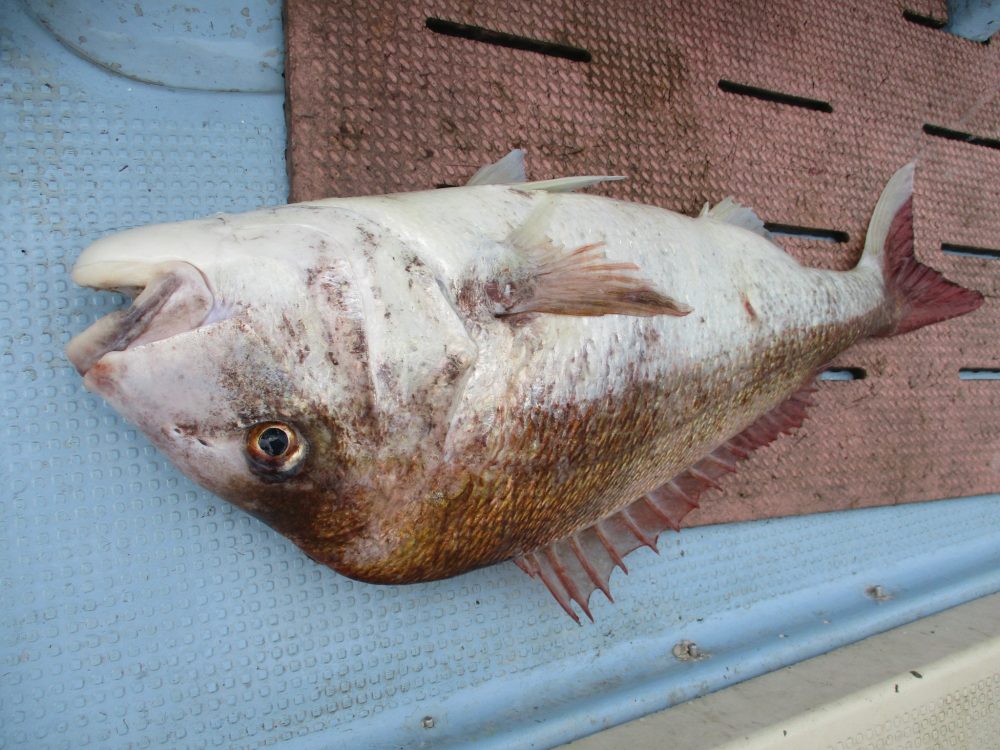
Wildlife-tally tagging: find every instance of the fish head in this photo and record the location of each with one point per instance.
(277, 360)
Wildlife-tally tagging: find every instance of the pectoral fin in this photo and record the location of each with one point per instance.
(580, 281)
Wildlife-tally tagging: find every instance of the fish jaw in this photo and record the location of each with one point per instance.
(140, 360)
(174, 298)
(197, 397)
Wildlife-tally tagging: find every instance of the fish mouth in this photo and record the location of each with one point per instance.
(169, 298)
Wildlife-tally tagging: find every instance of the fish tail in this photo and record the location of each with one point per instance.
(916, 294)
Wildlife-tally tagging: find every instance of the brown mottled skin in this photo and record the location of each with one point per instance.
(523, 489)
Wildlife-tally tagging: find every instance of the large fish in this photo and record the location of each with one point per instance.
(411, 386)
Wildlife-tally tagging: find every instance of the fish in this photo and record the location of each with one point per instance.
(411, 386)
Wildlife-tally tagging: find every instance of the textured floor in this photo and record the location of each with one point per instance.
(141, 612)
(378, 101)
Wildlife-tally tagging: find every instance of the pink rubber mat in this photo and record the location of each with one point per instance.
(800, 109)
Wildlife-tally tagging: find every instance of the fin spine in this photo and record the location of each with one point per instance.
(574, 567)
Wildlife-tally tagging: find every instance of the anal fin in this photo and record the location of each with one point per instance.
(574, 567)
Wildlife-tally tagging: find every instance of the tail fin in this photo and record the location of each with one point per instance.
(919, 294)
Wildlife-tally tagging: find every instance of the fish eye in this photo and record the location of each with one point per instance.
(275, 450)
(274, 441)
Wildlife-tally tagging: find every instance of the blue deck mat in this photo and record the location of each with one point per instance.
(139, 611)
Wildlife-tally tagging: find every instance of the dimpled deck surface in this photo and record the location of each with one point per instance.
(141, 612)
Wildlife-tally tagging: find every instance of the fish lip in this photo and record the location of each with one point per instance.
(169, 299)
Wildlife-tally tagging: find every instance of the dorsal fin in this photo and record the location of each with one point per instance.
(728, 211)
(569, 184)
(506, 171)
(510, 171)
(574, 567)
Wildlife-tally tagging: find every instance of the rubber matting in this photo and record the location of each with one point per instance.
(383, 96)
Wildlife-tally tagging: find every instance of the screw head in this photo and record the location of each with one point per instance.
(879, 593)
(687, 651)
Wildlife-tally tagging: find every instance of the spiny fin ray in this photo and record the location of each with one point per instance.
(574, 567)
(510, 171)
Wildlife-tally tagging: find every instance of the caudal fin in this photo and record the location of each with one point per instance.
(918, 294)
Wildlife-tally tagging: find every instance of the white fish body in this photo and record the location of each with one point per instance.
(458, 377)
